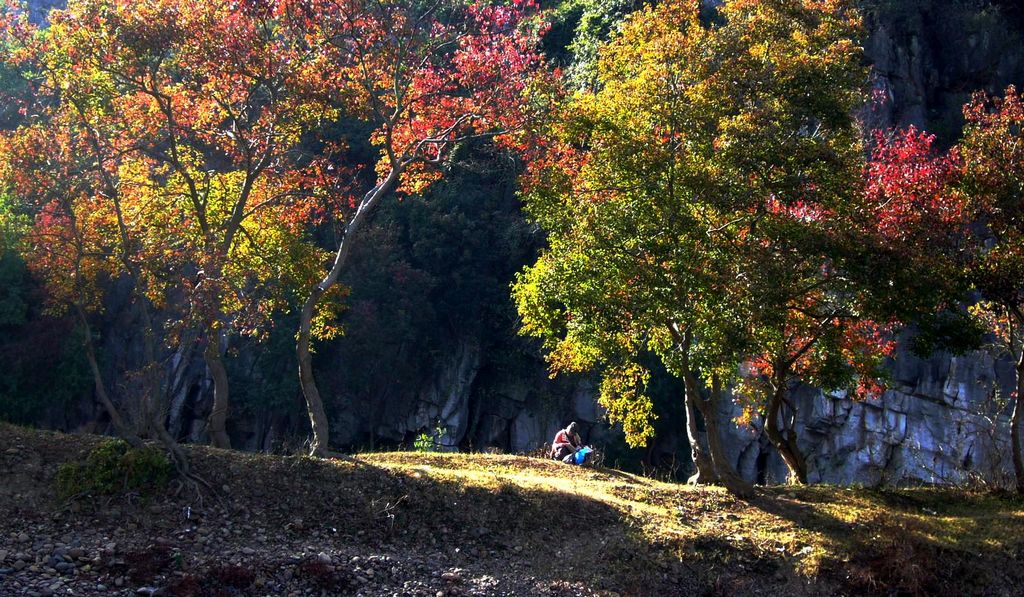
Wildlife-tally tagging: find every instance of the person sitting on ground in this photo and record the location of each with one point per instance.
(566, 442)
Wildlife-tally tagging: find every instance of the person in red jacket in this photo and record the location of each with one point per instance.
(566, 442)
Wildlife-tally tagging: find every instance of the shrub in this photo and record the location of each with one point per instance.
(114, 467)
(427, 442)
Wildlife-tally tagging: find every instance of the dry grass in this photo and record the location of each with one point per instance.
(611, 530)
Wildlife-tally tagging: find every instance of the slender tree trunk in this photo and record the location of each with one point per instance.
(122, 428)
(314, 403)
(785, 444)
(217, 422)
(726, 471)
(1015, 425)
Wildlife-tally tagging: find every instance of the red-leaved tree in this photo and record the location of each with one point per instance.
(427, 76)
(992, 152)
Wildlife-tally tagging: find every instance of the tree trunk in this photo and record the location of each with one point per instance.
(1015, 425)
(705, 469)
(726, 472)
(314, 403)
(120, 426)
(786, 445)
(217, 423)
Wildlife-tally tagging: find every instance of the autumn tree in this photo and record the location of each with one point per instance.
(993, 192)
(674, 194)
(853, 277)
(426, 76)
(167, 136)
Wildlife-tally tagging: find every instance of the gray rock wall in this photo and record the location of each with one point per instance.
(943, 420)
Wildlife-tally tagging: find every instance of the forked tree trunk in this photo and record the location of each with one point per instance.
(785, 444)
(712, 465)
(217, 422)
(1015, 425)
(314, 403)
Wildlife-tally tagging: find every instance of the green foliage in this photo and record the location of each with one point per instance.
(592, 22)
(44, 367)
(263, 375)
(687, 192)
(114, 467)
(431, 442)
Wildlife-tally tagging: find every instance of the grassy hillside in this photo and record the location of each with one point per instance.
(457, 524)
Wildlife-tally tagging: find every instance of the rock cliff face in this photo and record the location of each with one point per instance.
(941, 421)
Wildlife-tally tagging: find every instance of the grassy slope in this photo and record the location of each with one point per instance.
(604, 530)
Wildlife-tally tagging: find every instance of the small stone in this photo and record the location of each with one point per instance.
(20, 564)
(76, 552)
(119, 581)
(3, 554)
(248, 551)
(451, 577)
(23, 537)
(323, 557)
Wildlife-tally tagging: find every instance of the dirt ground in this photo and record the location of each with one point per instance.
(482, 524)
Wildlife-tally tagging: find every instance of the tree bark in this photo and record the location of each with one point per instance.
(217, 422)
(705, 469)
(1015, 425)
(785, 444)
(314, 403)
(726, 471)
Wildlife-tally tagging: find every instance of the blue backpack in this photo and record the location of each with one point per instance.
(581, 454)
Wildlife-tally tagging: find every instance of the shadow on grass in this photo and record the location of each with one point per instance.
(908, 542)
